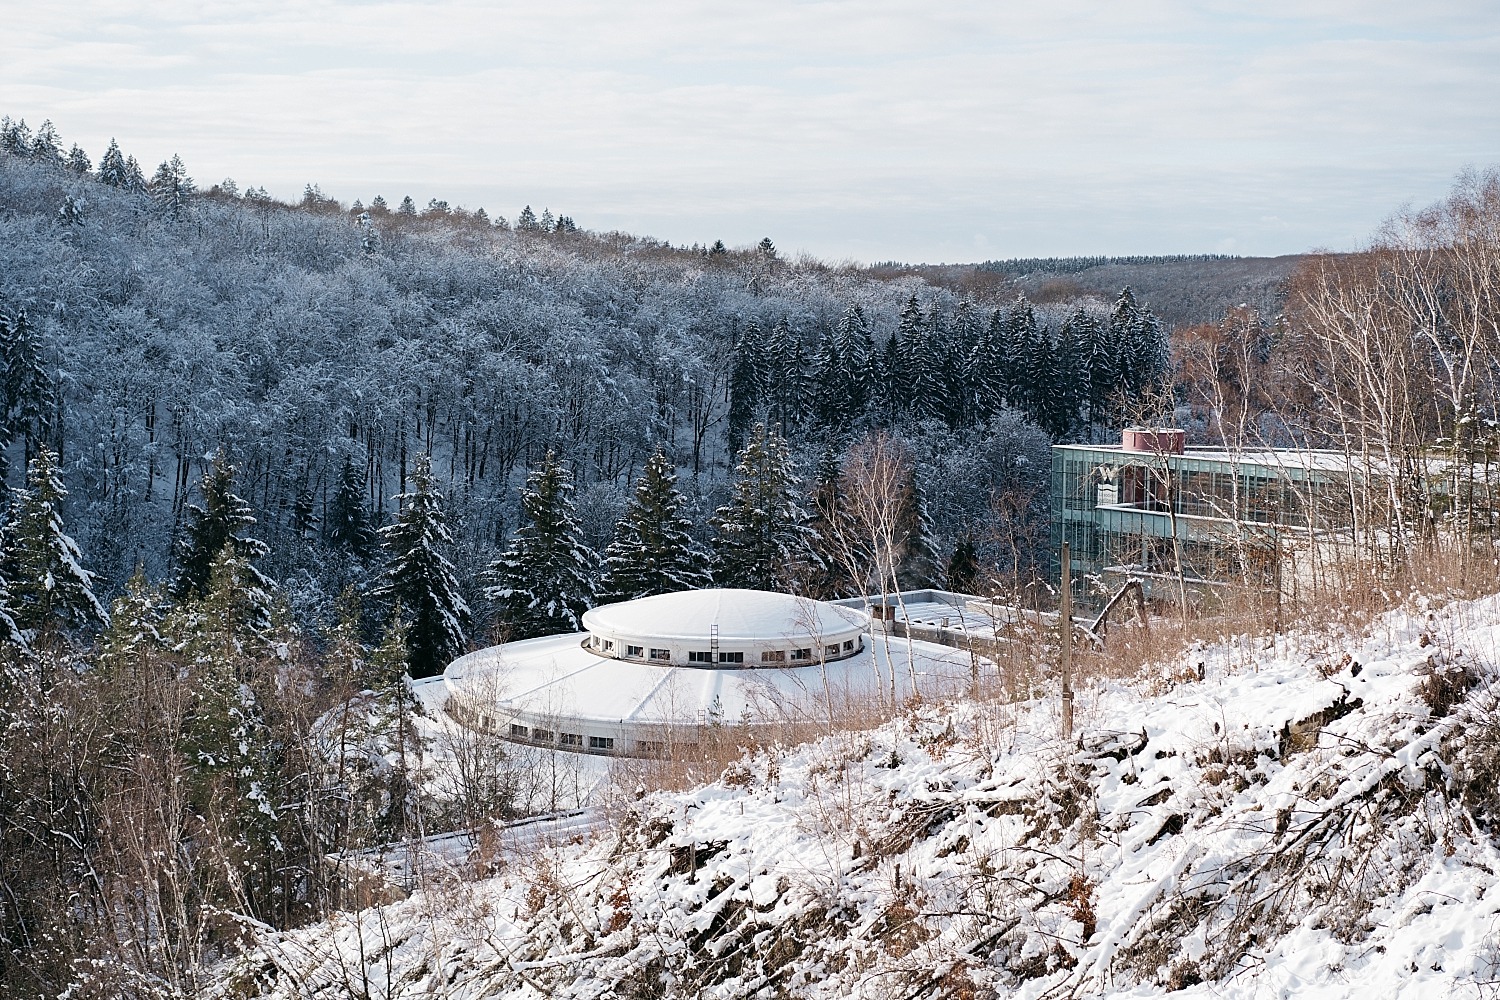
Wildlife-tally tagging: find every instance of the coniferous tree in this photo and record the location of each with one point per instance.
(526, 221)
(133, 636)
(744, 387)
(1151, 354)
(910, 358)
(545, 580)
(79, 162)
(48, 586)
(347, 524)
(135, 177)
(112, 169)
(856, 348)
(171, 186)
(407, 208)
(219, 522)
(653, 551)
(798, 385)
(987, 370)
(46, 145)
(233, 783)
(764, 541)
(774, 373)
(889, 390)
(420, 580)
(26, 392)
(833, 390)
(15, 137)
(926, 358)
(1031, 359)
(1062, 413)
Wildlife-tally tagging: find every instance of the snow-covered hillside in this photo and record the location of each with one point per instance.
(1312, 818)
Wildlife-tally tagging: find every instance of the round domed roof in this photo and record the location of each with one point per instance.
(740, 615)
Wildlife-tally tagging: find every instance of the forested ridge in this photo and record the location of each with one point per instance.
(262, 461)
(320, 345)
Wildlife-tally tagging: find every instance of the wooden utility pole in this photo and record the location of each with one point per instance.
(1065, 621)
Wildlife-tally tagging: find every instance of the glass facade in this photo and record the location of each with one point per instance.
(1222, 513)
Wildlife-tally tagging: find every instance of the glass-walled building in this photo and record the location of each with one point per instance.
(1230, 516)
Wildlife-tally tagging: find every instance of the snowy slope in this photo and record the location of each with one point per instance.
(1313, 818)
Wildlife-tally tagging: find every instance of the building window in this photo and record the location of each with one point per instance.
(700, 656)
(848, 645)
(601, 742)
(801, 654)
(571, 740)
(661, 654)
(773, 656)
(831, 650)
(655, 748)
(541, 735)
(731, 657)
(609, 645)
(633, 651)
(519, 732)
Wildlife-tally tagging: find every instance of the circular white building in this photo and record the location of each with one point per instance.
(650, 674)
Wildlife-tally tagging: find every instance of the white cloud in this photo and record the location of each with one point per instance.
(875, 128)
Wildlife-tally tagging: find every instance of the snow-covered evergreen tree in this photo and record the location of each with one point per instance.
(911, 344)
(133, 636)
(856, 348)
(135, 177)
(43, 569)
(15, 137)
(79, 162)
(764, 541)
(28, 401)
(346, 519)
(744, 386)
(213, 526)
(46, 145)
(233, 780)
(171, 186)
(545, 580)
(420, 579)
(653, 551)
(112, 169)
(526, 221)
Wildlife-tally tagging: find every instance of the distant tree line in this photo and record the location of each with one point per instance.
(960, 368)
(1022, 266)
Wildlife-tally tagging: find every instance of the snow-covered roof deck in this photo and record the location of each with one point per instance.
(556, 691)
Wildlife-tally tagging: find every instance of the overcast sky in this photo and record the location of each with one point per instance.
(872, 130)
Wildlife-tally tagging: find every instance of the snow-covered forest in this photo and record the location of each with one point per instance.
(265, 463)
(166, 321)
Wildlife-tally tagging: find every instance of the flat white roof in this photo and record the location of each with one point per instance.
(1271, 458)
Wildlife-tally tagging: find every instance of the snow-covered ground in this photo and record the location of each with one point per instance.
(1313, 818)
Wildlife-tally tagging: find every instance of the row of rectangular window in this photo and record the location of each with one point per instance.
(707, 656)
(520, 732)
